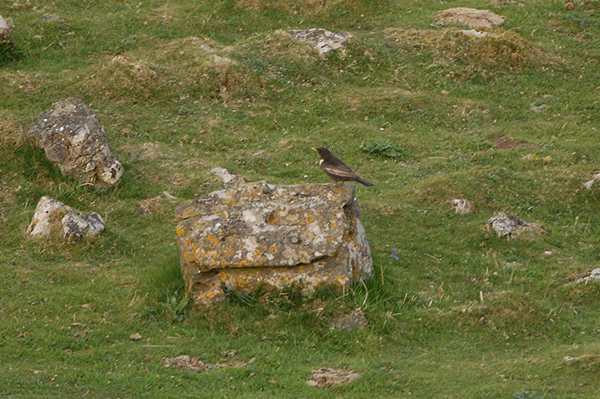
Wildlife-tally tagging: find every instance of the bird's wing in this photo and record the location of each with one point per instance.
(339, 169)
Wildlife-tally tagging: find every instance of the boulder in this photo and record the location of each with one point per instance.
(72, 138)
(258, 234)
(323, 40)
(6, 39)
(50, 212)
(471, 17)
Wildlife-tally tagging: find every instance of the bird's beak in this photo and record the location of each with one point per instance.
(314, 149)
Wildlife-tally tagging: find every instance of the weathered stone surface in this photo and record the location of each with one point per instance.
(223, 174)
(6, 37)
(50, 212)
(55, 18)
(594, 275)
(322, 39)
(462, 206)
(355, 319)
(193, 363)
(261, 234)
(72, 138)
(471, 17)
(326, 377)
(513, 226)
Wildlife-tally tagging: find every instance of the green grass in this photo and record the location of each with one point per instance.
(414, 107)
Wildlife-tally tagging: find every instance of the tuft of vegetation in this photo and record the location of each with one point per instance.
(384, 148)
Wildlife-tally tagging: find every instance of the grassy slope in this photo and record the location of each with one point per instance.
(444, 101)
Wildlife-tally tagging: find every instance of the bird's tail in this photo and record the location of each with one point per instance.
(364, 182)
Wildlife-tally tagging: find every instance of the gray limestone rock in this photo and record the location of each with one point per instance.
(6, 37)
(511, 226)
(72, 138)
(322, 39)
(74, 224)
(258, 234)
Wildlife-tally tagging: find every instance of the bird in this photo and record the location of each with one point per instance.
(336, 169)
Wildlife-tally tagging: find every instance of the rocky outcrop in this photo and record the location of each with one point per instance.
(72, 138)
(50, 213)
(258, 234)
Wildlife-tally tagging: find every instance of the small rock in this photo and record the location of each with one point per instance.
(322, 39)
(470, 17)
(538, 108)
(223, 174)
(326, 377)
(594, 275)
(355, 319)
(474, 33)
(74, 223)
(135, 337)
(55, 18)
(462, 206)
(185, 362)
(512, 226)
(6, 37)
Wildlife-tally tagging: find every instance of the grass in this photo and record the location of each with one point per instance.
(508, 122)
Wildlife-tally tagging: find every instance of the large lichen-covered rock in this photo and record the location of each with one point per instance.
(258, 234)
(72, 138)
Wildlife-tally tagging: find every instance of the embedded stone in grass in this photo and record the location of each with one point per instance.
(193, 363)
(55, 18)
(323, 40)
(594, 275)
(262, 235)
(6, 38)
(50, 212)
(72, 138)
(513, 226)
(355, 319)
(471, 17)
(223, 174)
(462, 206)
(326, 377)
(135, 337)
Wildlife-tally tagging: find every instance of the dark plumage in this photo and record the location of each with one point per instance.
(336, 169)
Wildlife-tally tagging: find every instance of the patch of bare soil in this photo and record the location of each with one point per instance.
(505, 144)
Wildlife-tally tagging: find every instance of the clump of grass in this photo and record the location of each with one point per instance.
(307, 8)
(498, 51)
(384, 148)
